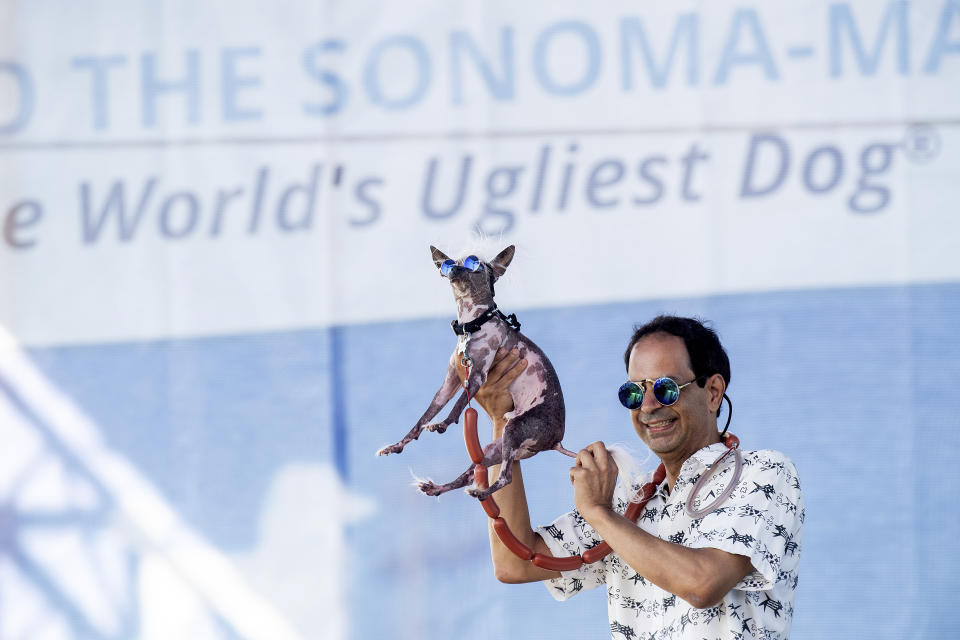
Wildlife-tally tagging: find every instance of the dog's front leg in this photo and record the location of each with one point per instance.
(477, 378)
(481, 358)
(451, 383)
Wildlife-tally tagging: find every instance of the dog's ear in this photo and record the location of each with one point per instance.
(502, 261)
(438, 256)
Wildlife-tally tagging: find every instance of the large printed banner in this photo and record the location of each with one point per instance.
(217, 300)
(260, 166)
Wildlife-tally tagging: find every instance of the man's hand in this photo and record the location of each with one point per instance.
(594, 478)
(494, 396)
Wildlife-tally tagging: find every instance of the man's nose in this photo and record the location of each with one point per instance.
(650, 402)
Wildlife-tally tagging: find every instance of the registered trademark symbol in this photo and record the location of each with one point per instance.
(921, 143)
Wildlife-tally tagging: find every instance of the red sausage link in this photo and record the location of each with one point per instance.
(634, 509)
(470, 435)
(661, 473)
(557, 564)
(490, 506)
(480, 477)
(510, 541)
(597, 553)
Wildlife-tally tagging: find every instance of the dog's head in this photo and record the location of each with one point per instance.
(470, 277)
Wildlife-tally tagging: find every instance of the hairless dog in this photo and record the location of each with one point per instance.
(537, 420)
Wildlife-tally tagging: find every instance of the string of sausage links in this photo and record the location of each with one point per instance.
(511, 542)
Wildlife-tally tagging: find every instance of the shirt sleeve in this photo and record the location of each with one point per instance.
(762, 520)
(570, 535)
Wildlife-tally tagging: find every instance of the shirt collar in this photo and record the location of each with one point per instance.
(692, 465)
(700, 460)
(708, 455)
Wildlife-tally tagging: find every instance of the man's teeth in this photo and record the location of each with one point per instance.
(661, 423)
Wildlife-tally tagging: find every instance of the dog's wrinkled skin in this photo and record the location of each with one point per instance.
(537, 420)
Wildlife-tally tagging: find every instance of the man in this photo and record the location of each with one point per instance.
(729, 573)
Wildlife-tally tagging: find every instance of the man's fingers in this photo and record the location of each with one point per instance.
(506, 368)
(513, 372)
(602, 455)
(598, 449)
(586, 460)
(502, 361)
(501, 354)
(594, 456)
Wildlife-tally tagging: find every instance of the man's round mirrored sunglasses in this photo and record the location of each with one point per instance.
(471, 263)
(665, 390)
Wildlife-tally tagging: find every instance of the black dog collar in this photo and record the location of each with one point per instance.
(474, 325)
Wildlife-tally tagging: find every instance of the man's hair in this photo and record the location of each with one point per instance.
(707, 355)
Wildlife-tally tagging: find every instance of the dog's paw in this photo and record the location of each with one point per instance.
(438, 427)
(474, 492)
(428, 488)
(393, 448)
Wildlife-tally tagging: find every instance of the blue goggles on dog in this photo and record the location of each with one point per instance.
(471, 263)
(665, 390)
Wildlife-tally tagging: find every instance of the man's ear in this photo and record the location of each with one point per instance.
(502, 261)
(438, 256)
(716, 387)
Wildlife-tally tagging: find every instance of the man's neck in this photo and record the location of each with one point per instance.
(673, 464)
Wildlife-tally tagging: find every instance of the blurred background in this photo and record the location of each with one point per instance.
(217, 299)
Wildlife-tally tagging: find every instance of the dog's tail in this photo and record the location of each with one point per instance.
(566, 452)
(627, 466)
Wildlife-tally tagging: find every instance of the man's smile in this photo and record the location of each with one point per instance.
(659, 426)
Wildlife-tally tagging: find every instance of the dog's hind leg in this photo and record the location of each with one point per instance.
(513, 446)
(429, 488)
(491, 456)
(447, 390)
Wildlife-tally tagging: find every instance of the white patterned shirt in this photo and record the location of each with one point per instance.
(761, 519)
